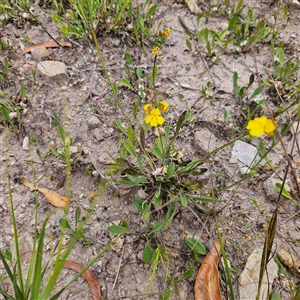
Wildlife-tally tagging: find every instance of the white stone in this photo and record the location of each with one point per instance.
(248, 281)
(247, 154)
(93, 122)
(38, 53)
(52, 69)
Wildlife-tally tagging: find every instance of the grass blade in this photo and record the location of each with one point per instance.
(37, 278)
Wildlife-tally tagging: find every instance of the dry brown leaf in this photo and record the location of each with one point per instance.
(88, 276)
(47, 45)
(54, 198)
(290, 260)
(207, 282)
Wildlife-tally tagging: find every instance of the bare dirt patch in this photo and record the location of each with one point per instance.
(81, 93)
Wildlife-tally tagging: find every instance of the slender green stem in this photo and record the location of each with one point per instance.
(14, 222)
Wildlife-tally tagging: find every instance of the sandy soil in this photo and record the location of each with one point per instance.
(182, 76)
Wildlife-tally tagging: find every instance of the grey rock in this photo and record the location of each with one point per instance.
(52, 69)
(38, 53)
(206, 140)
(98, 134)
(248, 281)
(245, 153)
(93, 122)
(74, 149)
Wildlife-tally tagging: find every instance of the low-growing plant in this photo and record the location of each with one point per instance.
(85, 17)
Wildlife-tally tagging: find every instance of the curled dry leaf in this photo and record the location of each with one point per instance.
(88, 276)
(47, 45)
(207, 282)
(290, 260)
(54, 198)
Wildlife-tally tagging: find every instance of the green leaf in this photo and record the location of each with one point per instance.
(138, 179)
(166, 295)
(276, 296)
(124, 181)
(126, 83)
(157, 152)
(64, 224)
(77, 215)
(251, 80)
(158, 227)
(5, 114)
(120, 126)
(130, 148)
(266, 82)
(147, 254)
(188, 273)
(138, 203)
(280, 55)
(189, 44)
(196, 246)
(183, 199)
(139, 73)
(189, 167)
(115, 89)
(8, 255)
(116, 229)
(285, 193)
(171, 170)
(128, 59)
(37, 278)
(255, 93)
(151, 11)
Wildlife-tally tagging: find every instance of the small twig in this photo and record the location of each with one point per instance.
(119, 267)
(51, 37)
(182, 23)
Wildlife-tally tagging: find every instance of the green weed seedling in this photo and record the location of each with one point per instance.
(65, 225)
(283, 79)
(242, 91)
(86, 17)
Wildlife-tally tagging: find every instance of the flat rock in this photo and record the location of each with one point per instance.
(38, 53)
(93, 122)
(248, 281)
(206, 140)
(246, 154)
(52, 69)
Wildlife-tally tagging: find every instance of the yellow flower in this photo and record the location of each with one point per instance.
(167, 32)
(154, 118)
(164, 106)
(261, 125)
(154, 50)
(147, 108)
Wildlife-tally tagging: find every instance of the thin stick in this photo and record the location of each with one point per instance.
(119, 267)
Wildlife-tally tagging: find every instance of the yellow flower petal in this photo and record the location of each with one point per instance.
(154, 50)
(147, 108)
(155, 112)
(160, 120)
(261, 125)
(269, 127)
(167, 32)
(148, 119)
(164, 106)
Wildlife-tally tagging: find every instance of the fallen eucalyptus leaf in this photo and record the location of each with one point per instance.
(54, 198)
(291, 261)
(207, 282)
(88, 276)
(47, 45)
